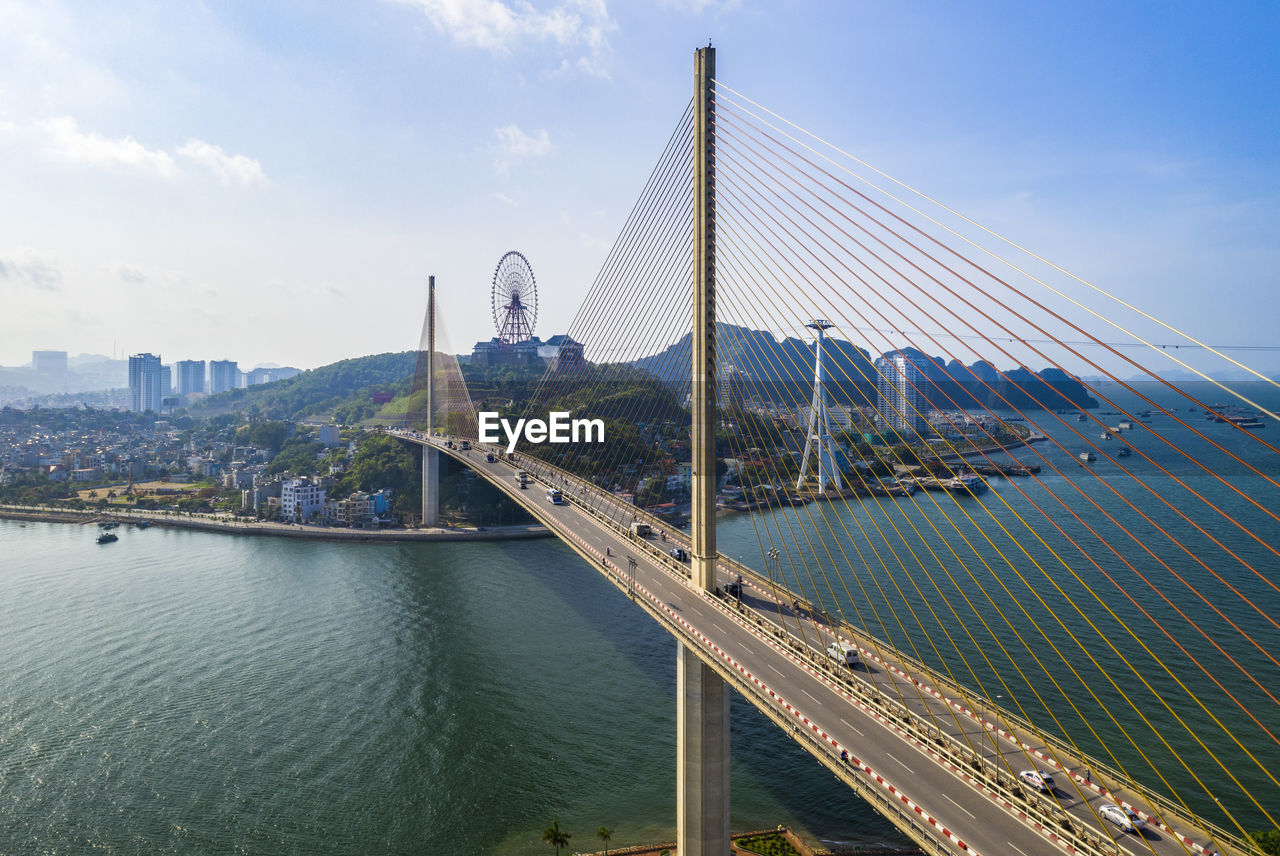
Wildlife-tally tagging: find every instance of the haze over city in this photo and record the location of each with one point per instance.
(284, 176)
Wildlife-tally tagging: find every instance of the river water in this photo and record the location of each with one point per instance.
(190, 693)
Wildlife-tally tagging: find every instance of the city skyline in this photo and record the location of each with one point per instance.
(178, 176)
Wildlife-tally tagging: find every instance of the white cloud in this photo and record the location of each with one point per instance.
(63, 138)
(67, 141)
(129, 273)
(514, 145)
(34, 268)
(229, 168)
(495, 25)
(136, 273)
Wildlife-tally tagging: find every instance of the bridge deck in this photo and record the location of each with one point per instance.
(911, 761)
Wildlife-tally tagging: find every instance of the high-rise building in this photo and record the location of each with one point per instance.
(166, 380)
(145, 383)
(50, 362)
(223, 375)
(899, 403)
(190, 376)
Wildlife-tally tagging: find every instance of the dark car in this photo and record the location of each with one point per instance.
(680, 554)
(490, 458)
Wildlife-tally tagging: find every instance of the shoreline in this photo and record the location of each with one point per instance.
(955, 457)
(273, 530)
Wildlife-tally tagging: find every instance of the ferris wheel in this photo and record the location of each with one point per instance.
(514, 298)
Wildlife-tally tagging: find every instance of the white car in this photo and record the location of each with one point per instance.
(1038, 779)
(843, 653)
(1121, 817)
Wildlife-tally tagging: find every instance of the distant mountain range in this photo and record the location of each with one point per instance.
(761, 366)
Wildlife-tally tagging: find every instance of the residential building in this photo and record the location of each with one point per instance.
(145, 383)
(301, 498)
(900, 404)
(328, 435)
(264, 488)
(190, 376)
(223, 375)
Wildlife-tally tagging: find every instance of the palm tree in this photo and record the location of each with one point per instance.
(555, 837)
(604, 833)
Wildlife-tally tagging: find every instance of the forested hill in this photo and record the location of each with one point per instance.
(343, 390)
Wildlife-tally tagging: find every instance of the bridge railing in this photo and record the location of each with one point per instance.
(1011, 723)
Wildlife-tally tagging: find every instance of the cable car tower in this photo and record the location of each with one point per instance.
(819, 428)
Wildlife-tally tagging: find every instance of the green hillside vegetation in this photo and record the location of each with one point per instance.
(342, 390)
(381, 461)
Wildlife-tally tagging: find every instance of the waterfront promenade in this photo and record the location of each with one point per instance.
(230, 525)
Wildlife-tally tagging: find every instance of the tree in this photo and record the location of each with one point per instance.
(556, 837)
(1268, 840)
(604, 833)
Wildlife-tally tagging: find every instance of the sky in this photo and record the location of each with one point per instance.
(272, 181)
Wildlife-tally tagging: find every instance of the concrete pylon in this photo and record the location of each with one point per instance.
(430, 457)
(702, 705)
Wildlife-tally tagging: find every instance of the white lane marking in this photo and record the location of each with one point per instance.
(718, 627)
(908, 769)
(776, 671)
(957, 805)
(854, 727)
(1016, 847)
(810, 695)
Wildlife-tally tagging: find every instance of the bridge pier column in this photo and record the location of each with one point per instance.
(702, 751)
(430, 486)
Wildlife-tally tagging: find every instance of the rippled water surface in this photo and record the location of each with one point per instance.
(181, 692)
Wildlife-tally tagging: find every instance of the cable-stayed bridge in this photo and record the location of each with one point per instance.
(1101, 608)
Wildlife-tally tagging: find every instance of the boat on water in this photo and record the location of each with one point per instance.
(1124, 452)
(142, 524)
(107, 524)
(1106, 435)
(1080, 417)
(972, 482)
(1087, 457)
(108, 538)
